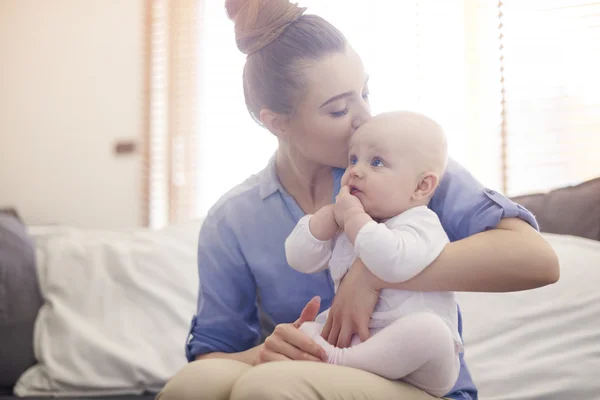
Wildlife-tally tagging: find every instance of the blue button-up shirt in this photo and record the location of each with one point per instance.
(241, 254)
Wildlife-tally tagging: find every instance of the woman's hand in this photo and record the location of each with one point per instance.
(288, 343)
(352, 306)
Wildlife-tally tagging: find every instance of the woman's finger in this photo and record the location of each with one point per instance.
(310, 311)
(268, 356)
(344, 336)
(363, 332)
(280, 347)
(327, 328)
(296, 338)
(334, 333)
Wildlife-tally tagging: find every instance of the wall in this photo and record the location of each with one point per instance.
(71, 81)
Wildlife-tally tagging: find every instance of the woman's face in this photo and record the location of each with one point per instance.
(335, 104)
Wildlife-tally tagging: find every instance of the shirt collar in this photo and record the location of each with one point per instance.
(269, 181)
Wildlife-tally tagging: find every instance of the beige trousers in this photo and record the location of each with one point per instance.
(220, 379)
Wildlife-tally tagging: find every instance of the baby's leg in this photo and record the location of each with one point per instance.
(418, 348)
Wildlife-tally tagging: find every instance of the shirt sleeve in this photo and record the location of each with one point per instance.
(465, 207)
(400, 252)
(227, 318)
(304, 252)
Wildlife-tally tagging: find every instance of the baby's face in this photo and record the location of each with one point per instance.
(381, 172)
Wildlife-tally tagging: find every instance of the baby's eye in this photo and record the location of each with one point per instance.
(377, 162)
(353, 160)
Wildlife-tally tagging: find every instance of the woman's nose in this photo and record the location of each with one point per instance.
(362, 116)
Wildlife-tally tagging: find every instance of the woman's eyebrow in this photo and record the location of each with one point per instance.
(343, 95)
(339, 96)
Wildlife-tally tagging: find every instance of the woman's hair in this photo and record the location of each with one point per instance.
(279, 41)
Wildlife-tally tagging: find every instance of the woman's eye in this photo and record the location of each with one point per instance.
(377, 162)
(340, 114)
(353, 160)
(365, 96)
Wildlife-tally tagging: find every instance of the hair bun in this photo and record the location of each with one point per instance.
(259, 22)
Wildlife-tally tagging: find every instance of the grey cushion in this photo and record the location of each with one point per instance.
(20, 299)
(572, 210)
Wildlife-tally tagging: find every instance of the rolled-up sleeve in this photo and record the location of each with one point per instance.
(465, 207)
(227, 318)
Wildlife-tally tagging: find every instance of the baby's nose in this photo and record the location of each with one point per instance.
(356, 171)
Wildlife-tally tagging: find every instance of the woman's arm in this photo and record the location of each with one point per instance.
(247, 357)
(227, 323)
(285, 343)
(510, 258)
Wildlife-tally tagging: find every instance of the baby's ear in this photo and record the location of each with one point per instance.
(426, 185)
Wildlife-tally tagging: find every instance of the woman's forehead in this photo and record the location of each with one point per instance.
(334, 75)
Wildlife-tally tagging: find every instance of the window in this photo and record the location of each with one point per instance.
(551, 93)
(512, 82)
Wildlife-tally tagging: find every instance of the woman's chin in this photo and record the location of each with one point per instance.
(338, 162)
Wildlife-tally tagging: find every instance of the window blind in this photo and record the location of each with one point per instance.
(550, 93)
(170, 142)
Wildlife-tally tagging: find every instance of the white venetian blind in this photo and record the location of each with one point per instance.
(550, 68)
(170, 143)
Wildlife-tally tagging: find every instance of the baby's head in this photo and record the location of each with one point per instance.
(396, 162)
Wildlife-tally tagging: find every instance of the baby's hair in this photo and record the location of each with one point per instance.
(431, 145)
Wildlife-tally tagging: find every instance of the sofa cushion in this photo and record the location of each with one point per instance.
(573, 210)
(542, 343)
(117, 310)
(20, 299)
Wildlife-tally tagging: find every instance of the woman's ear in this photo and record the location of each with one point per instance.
(276, 123)
(426, 185)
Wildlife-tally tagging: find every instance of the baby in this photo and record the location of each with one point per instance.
(396, 162)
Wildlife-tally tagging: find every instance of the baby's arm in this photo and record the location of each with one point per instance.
(308, 248)
(398, 254)
(322, 224)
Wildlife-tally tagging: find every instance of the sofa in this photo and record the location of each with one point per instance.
(89, 314)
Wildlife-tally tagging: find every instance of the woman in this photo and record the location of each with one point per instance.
(307, 86)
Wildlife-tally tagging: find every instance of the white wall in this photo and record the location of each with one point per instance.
(71, 81)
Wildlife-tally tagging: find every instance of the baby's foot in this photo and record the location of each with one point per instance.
(313, 330)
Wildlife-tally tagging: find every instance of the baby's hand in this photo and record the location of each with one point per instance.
(345, 203)
(346, 177)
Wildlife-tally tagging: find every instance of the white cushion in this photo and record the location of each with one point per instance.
(117, 310)
(542, 343)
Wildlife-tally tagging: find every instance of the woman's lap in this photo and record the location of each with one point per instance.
(204, 380)
(227, 379)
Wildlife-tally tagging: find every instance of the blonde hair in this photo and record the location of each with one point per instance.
(278, 40)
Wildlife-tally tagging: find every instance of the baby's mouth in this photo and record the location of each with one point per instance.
(354, 190)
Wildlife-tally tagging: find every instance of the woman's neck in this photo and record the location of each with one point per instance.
(309, 184)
